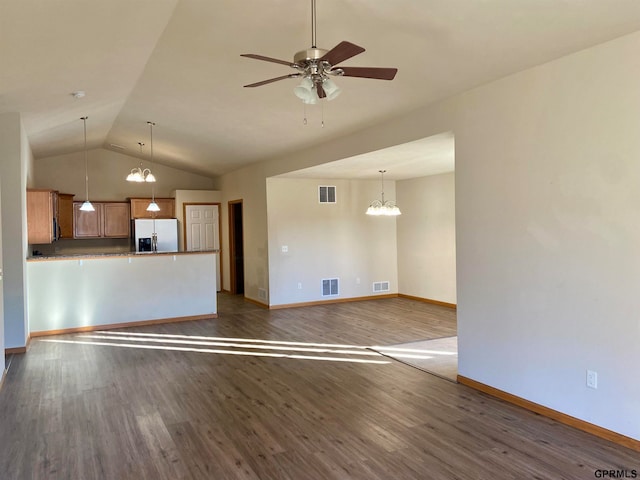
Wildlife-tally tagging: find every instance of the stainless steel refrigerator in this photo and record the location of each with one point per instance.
(166, 231)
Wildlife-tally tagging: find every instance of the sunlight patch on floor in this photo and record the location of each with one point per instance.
(239, 351)
(252, 347)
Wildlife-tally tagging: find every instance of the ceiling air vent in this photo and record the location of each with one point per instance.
(330, 287)
(326, 194)
(380, 287)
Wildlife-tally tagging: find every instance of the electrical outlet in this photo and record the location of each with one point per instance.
(299, 285)
(592, 379)
(285, 249)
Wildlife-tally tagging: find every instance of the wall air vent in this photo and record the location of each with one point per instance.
(330, 287)
(380, 287)
(326, 194)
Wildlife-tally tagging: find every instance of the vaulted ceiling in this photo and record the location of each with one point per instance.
(177, 63)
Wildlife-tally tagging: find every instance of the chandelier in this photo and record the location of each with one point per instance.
(139, 174)
(382, 207)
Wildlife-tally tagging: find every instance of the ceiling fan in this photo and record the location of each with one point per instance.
(316, 65)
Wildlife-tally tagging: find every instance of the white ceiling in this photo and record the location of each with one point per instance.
(177, 63)
(429, 156)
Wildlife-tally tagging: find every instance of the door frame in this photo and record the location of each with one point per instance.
(232, 249)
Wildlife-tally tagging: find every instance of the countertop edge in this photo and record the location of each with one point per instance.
(89, 256)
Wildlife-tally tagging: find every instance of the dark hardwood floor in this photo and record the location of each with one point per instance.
(199, 400)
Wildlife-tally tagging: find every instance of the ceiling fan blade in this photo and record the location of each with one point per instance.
(268, 59)
(370, 72)
(320, 90)
(341, 52)
(271, 80)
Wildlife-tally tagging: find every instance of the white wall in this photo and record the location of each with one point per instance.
(2, 346)
(72, 293)
(547, 196)
(15, 159)
(327, 240)
(248, 185)
(547, 227)
(427, 237)
(107, 173)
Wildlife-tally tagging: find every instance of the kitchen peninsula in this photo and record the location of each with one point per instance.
(88, 292)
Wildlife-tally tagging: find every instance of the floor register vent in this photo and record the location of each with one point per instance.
(330, 287)
(380, 287)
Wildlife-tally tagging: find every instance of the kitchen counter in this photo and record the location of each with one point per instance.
(71, 293)
(73, 256)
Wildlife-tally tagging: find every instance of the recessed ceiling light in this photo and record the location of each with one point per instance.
(78, 94)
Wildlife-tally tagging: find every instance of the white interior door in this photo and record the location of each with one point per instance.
(203, 231)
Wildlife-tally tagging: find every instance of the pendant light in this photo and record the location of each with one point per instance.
(380, 207)
(153, 206)
(86, 205)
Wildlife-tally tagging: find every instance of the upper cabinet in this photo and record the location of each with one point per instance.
(109, 220)
(87, 224)
(49, 215)
(115, 220)
(42, 216)
(65, 215)
(139, 208)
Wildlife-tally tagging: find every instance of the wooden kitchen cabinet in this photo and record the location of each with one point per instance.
(109, 220)
(42, 216)
(139, 208)
(116, 222)
(65, 215)
(87, 224)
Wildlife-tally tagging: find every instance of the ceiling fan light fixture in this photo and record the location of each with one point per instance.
(315, 65)
(312, 99)
(331, 89)
(305, 90)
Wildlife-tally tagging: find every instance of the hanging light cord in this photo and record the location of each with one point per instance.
(154, 235)
(86, 162)
(382, 184)
(141, 145)
(151, 124)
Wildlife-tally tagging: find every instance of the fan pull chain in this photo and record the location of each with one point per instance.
(304, 112)
(322, 110)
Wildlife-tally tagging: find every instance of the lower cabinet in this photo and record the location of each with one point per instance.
(109, 220)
